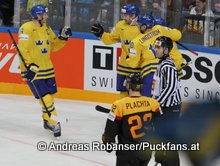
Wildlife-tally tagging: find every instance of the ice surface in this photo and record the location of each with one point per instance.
(21, 128)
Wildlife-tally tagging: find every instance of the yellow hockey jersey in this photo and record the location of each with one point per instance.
(125, 33)
(141, 52)
(35, 44)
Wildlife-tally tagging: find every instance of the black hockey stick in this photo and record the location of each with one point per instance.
(26, 67)
(102, 109)
(187, 48)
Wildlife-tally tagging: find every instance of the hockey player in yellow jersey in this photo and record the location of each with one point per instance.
(36, 40)
(124, 31)
(176, 56)
(141, 52)
(131, 119)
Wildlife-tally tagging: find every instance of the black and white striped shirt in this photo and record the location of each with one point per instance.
(166, 84)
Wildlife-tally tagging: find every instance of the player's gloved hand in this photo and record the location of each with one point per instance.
(65, 33)
(97, 29)
(105, 141)
(32, 72)
(184, 64)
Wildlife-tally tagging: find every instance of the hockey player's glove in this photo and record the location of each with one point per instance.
(97, 29)
(32, 72)
(65, 33)
(106, 141)
(184, 64)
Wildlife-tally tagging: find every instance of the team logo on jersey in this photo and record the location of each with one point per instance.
(44, 51)
(127, 42)
(39, 43)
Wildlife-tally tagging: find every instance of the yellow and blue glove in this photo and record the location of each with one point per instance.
(65, 33)
(32, 72)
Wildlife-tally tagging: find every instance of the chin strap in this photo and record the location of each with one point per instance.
(40, 22)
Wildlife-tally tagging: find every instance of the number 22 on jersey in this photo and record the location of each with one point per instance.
(137, 123)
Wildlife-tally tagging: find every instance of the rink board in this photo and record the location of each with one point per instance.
(86, 70)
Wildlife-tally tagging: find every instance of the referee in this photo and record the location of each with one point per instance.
(166, 90)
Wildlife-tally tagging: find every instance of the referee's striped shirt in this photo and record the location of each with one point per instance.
(169, 83)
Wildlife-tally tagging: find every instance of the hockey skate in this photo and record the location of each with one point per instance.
(56, 129)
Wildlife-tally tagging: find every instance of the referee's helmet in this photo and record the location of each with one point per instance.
(163, 41)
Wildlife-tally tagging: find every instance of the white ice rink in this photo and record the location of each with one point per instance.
(21, 129)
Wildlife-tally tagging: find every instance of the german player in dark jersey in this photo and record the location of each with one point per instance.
(130, 119)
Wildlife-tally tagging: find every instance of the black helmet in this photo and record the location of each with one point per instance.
(134, 80)
(164, 42)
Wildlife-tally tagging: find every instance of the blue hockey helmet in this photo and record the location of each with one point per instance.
(159, 21)
(130, 9)
(146, 19)
(38, 10)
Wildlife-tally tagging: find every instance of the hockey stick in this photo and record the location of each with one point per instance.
(26, 67)
(187, 48)
(102, 109)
